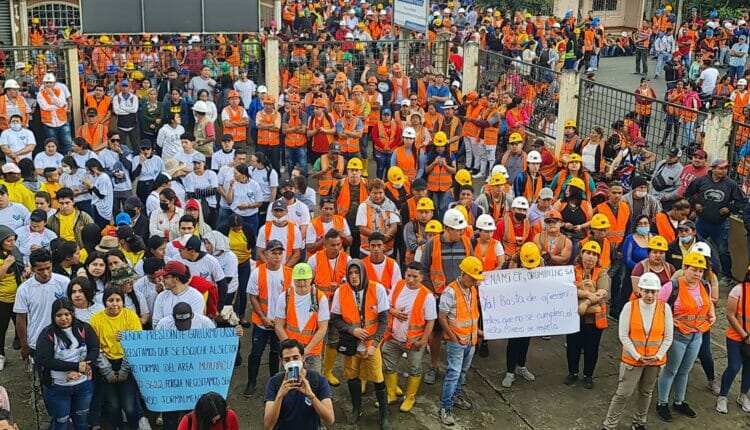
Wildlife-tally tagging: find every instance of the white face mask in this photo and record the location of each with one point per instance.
(15, 127)
(640, 194)
(66, 170)
(398, 186)
(280, 219)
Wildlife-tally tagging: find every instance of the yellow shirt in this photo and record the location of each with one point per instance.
(52, 189)
(8, 285)
(107, 327)
(66, 226)
(133, 257)
(238, 245)
(17, 192)
(83, 255)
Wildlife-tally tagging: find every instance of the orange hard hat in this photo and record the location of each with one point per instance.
(358, 89)
(340, 77)
(471, 96)
(397, 67)
(269, 99)
(382, 70)
(233, 94)
(339, 99)
(320, 103)
(293, 98)
(294, 82)
(349, 106)
(315, 81)
(372, 80)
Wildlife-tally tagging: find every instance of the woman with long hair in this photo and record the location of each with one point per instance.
(210, 413)
(268, 179)
(65, 257)
(737, 338)
(82, 294)
(11, 269)
(95, 269)
(156, 246)
(241, 243)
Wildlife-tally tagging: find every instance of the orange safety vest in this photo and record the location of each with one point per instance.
(61, 113)
(5, 120)
(342, 201)
(419, 233)
(532, 187)
(466, 323)
(306, 333)
(370, 224)
(450, 131)
(646, 345)
(359, 111)
(325, 275)
(295, 140)
(326, 181)
(239, 134)
(489, 258)
(568, 145)
(511, 243)
(600, 318)
(268, 137)
(349, 144)
(664, 227)
(470, 129)
(417, 322)
(422, 93)
(404, 87)
(491, 133)
(606, 255)
(317, 225)
(497, 210)
(506, 157)
(616, 233)
(438, 180)
(690, 318)
(436, 268)
(386, 277)
(92, 135)
(744, 320)
(408, 163)
(643, 106)
(374, 116)
(263, 289)
(350, 310)
(544, 243)
(102, 106)
(289, 236)
(36, 37)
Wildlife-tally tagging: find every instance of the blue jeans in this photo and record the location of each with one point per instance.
(735, 72)
(720, 235)
(121, 396)
(243, 275)
(689, 134)
(62, 137)
(383, 161)
(65, 403)
(459, 360)
(297, 157)
(680, 359)
(706, 357)
(663, 58)
(262, 337)
(735, 362)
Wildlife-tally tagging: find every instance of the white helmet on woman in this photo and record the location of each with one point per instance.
(649, 281)
(702, 248)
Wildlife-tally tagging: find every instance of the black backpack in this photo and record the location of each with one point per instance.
(676, 291)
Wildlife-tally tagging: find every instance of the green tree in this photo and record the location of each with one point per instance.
(535, 7)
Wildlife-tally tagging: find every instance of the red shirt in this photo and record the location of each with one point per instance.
(518, 229)
(210, 294)
(229, 423)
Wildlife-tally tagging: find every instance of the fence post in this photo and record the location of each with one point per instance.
(272, 66)
(718, 130)
(74, 83)
(568, 104)
(441, 54)
(470, 73)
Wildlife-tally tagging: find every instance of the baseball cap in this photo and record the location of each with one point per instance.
(199, 158)
(675, 152)
(133, 202)
(546, 193)
(10, 168)
(287, 183)
(719, 163)
(183, 316)
(192, 204)
(38, 215)
(227, 137)
(274, 244)
(122, 219)
(639, 141)
(700, 154)
(189, 242)
(124, 83)
(335, 147)
(278, 205)
(173, 267)
(686, 224)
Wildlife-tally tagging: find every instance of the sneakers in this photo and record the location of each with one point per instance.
(2, 362)
(714, 386)
(430, 376)
(570, 379)
(479, 174)
(664, 413)
(721, 405)
(143, 424)
(446, 417)
(508, 380)
(588, 382)
(462, 402)
(524, 373)
(684, 409)
(743, 401)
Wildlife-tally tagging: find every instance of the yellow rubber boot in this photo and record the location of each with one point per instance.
(365, 173)
(391, 383)
(412, 386)
(363, 381)
(329, 360)
(399, 391)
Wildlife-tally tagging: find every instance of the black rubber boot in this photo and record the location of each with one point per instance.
(382, 397)
(355, 392)
(252, 377)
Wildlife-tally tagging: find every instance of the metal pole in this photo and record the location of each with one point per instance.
(277, 13)
(678, 21)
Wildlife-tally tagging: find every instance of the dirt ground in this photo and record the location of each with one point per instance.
(543, 404)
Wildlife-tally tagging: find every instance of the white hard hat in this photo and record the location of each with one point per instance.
(520, 203)
(453, 84)
(405, 102)
(447, 10)
(500, 169)
(461, 10)
(352, 12)
(369, 13)
(742, 82)
(624, 34)
(649, 281)
(49, 77)
(533, 157)
(11, 83)
(485, 222)
(383, 12)
(489, 10)
(556, 25)
(342, 23)
(728, 25)
(454, 219)
(262, 89)
(711, 24)
(702, 248)
(436, 13)
(741, 22)
(200, 106)
(409, 132)
(20, 65)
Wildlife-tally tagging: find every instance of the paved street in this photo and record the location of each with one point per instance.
(618, 72)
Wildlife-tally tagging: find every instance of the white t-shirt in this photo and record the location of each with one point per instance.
(395, 277)
(279, 233)
(275, 281)
(35, 300)
(221, 159)
(206, 266)
(74, 181)
(243, 194)
(383, 305)
(145, 287)
(81, 159)
(166, 300)
(26, 238)
(199, 321)
(225, 175)
(313, 262)
(208, 179)
(246, 90)
(103, 206)
(298, 213)
(14, 216)
(405, 303)
(266, 180)
(302, 304)
(169, 141)
(17, 140)
(709, 77)
(86, 314)
(312, 235)
(187, 159)
(228, 262)
(42, 160)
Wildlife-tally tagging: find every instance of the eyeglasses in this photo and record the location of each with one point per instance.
(114, 140)
(551, 221)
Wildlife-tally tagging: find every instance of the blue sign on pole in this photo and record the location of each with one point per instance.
(175, 368)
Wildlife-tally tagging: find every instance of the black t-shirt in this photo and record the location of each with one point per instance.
(297, 411)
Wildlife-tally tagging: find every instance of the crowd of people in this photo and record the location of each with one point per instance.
(192, 198)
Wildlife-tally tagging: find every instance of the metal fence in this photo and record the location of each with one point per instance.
(739, 153)
(538, 86)
(28, 64)
(621, 113)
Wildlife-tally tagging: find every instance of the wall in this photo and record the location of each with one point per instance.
(627, 14)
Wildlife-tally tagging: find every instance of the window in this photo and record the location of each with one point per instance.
(604, 5)
(61, 14)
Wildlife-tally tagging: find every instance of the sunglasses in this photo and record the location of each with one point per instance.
(114, 140)
(551, 221)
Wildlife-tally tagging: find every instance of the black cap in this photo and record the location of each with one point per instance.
(183, 316)
(277, 205)
(638, 181)
(419, 184)
(675, 152)
(133, 202)
(146, 144)
(193, 244)
(124, 231)
(3, 189)
(287, 183)
(227, 137)
(274, 244)
(90, 112)
(152, 264)
(38, 215)
(50, 169)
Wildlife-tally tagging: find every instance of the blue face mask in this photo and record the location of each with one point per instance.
(642, 230)
(686, 239)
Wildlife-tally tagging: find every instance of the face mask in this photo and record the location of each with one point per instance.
(288, 195)
(642, 230)
(130, 212)
(66, 170)
(15, 127)
(686, 239)
(640, 194)
(164, 206)
(398, 187)
(280, 219)
(519, 216)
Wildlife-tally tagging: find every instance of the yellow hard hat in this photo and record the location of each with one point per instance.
(355, 163)
(577, 183)
(515, 137)
(425, 204)
(658, 243)
(600, 222)
(473, 267)
(668, 8)
(396, 175)
(575, 157)
(577, 31)
(35, 20)
(302, 271)
(104, 39)
(137, 75)
(440, 139)
(527, 15)
(463, 177)
(463, 211)
(694, 259)
(433, 226)
(570, 123)
(129, 66)
(592, 246)
(380, 6)
(497, 14)
(498, 179)
(530, 255)
(359, 46)
(438, 22)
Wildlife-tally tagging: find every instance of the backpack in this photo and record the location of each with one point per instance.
(676, 291)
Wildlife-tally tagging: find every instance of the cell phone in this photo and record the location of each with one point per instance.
(292, 373)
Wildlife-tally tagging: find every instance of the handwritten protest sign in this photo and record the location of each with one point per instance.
(174, 368)
(528, 303)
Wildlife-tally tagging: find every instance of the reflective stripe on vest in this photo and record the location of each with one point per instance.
(350, 310)
(263, 290)
(437, 273)
(268, 137)
(415, 329)
(465, 325)
(646, 345)
(289, 245)
(238, 133)
(306, 334)
(327, 277)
